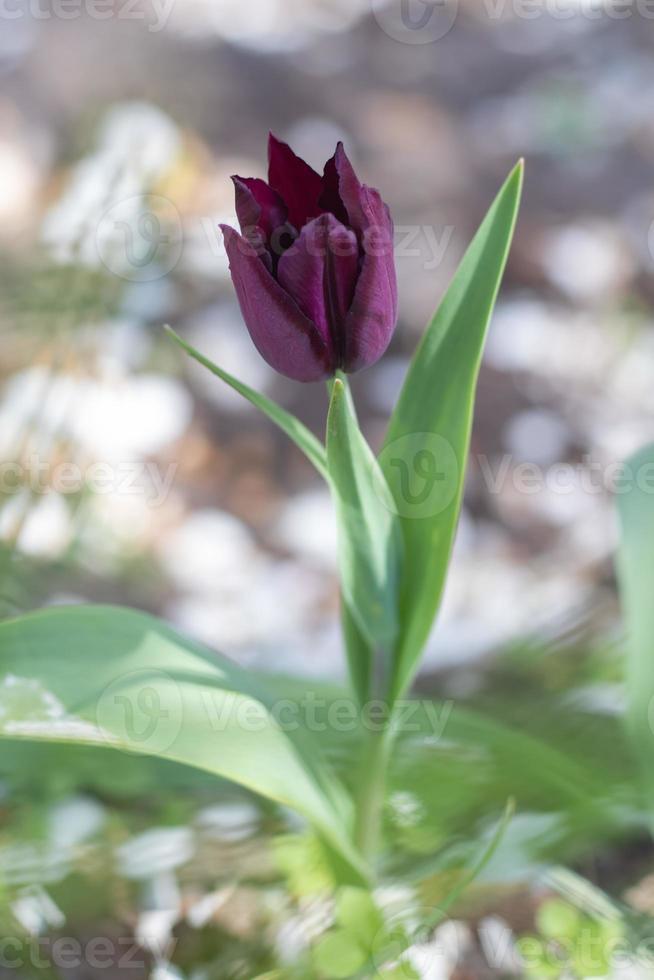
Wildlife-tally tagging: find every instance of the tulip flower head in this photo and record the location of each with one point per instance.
(313, 267)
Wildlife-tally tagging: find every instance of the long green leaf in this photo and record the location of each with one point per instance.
(296, 430)
(426, 448)
(114, 677)
(369, 536)
(636, 574)
(471, 874)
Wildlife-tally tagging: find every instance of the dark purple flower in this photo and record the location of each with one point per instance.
(313, 268)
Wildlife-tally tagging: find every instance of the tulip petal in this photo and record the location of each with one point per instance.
(295, 181)
(372, 318)
(350, 190)
(320, 272)
(373, 315)
(280, 331)
(258, 205)
(330, 199)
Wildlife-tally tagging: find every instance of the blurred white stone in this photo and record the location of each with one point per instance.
(166, 971)
(314, 138)
(150, 302)
(137, 144)
(114, 420)
(233, 595)
(518, 331)
(536, 435)
(44, 524)
(204, 253)
(406, 809)
(203, 911)
(266, 25)
(498, 944)
(228, 821)
(74, 820)
(113, 526)
(587, 262)
(19, 186)
(435, 960)
(385, 381)
(220, 334)
(529, 335)
(209, 550)
(123, 344)
(307, 526)
(296, 933)
(265, 614)
(154, 852)
(397, 900)
(17, 39)
(135, 417)
(37, 911)
(154, 928)
(490, 599)
(27, 864)
(606, 699)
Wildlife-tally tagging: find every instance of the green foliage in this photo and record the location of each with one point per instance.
(338, 955)
(370, 540)
(113, 677)
(426, 448)
(557, 919)
(302, 860)
(349, 946)
(569, 942)
(636, 573)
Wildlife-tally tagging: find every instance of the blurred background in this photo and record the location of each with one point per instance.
(131, 475)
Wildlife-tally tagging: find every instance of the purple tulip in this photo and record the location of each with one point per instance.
(313, 268)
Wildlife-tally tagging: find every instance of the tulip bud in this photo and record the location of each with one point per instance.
(313, 267)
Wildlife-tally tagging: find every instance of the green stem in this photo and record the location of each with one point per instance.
(370, 802)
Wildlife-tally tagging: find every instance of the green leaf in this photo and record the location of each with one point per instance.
(296, 430)
(426, 448)
(113, 677)
(359, 655)
(635, 501)
(357, 913)
(471, 874)
(338, 956)
(556, 919)
(369, 535)
(583, 894)
(302, 860)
